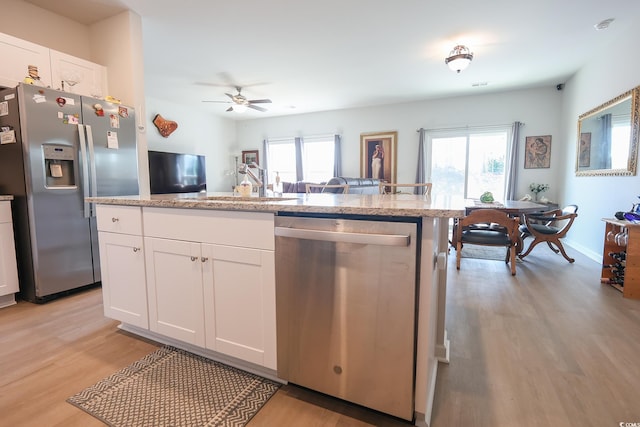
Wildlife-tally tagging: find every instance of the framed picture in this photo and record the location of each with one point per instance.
(537, 152)
(250, 156)
(584, 155)
(378, 155)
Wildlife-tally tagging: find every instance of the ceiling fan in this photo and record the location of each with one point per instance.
(241, 103)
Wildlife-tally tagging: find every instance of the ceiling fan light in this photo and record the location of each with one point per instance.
(459, 58)
(239, 108)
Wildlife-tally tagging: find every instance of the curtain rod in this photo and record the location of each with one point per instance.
(469, 127)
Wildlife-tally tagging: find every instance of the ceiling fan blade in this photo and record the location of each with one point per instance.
(211, 84)
(229, 109)
(255, 107)
(220, 102)
(229, 95)
(260, 101)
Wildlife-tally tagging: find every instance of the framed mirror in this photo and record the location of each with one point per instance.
(608, 137)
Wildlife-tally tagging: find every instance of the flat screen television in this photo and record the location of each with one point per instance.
(176, 173)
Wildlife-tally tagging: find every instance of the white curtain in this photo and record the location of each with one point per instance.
(299, 158)
(511, 164)
(265, 155)
(337, 156)
(422, 167)
(605, 144)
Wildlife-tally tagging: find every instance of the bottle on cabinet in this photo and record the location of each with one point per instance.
(245, 187)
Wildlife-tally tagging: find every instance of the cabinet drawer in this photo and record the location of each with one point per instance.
(119, 219)
(232, 228)
(5, 212)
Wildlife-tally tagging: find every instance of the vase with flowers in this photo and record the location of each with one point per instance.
(537, 189)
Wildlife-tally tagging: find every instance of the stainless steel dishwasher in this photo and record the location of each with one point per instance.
(346, 292)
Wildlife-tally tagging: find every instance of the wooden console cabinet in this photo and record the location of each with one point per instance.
(631, 286)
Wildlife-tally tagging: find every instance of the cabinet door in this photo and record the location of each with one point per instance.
(8, 269)
(124, 289)
(17, 55)
(239, 297)
(174, 286)
(90, 77)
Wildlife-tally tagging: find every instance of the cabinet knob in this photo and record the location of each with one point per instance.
(204, 259)
(114, 219)
(194, 258)
(136, 249)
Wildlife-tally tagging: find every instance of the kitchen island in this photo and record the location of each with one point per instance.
(162, 255)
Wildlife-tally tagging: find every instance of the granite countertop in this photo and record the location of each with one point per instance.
(4, 197)
(355, 204)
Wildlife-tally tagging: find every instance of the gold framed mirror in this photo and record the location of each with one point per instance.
(607, 143)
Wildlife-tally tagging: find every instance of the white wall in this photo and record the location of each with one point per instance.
(539, 109)
(197, 133)
(122, 54)
(610, 72)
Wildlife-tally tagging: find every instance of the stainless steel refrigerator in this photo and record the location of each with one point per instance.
(58, 148)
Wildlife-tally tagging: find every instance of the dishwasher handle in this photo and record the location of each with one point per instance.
(344, 237)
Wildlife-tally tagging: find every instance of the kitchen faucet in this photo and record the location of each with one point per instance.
(260, 179)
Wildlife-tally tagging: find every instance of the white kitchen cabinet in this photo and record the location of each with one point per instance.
(239, 303)
(124, 288)
(53, 67)
(8, 269)
(17, 55)
(211, 280)
(91, 78)
(174, 275)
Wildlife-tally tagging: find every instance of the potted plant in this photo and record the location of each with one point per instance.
(537, 189)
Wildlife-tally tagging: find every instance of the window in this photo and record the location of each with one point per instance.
(317, 155)
(466, 162)
(318, 159)
(620, 138)
(282, 159)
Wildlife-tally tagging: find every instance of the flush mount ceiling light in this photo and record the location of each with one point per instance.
(459, 58)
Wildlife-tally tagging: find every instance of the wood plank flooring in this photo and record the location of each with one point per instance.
(548, 347)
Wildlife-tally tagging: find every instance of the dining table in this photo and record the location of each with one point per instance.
(511, 207)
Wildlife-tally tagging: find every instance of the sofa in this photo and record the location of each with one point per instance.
(356, 185)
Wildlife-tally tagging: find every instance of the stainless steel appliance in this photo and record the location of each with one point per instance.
(346, 295)
(58, 148)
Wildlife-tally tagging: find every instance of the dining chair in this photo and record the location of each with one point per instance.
(388, 187)
(503, 232)
(333, 188)
(549, 227)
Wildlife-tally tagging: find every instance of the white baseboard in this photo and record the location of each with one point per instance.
(209, 354)
(423, 420)
(7, 300)
(596, 256)
(443, 350)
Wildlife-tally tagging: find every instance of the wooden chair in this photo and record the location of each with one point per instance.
(334, 187)
(502, 232)
(550, 227)
(388, 187)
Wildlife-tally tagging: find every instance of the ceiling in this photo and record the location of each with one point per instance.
(335, 54)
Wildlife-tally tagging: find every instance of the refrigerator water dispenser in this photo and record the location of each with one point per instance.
(59, 165)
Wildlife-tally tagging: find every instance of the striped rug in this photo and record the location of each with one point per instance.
(171, 387)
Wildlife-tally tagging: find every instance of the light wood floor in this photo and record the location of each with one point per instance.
(548, 347)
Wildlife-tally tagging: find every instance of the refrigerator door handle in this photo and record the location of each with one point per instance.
(92, 165)
(85, 171)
